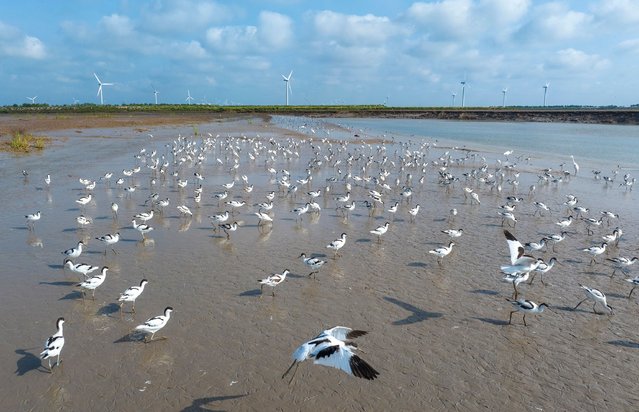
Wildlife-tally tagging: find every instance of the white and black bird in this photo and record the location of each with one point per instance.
(152, 325)
(83, 268)
(131, 294)
(525, 306)
(337, 244)
(622, 263)
(74, 252)
(142, 228)
(109, 240)
(54, 344)
(273, 280)
(380, 231)
(595, 251)
(94, 282)
(442, 251)
(334, 348)
(32, 218)
(635, 283)
(453, 232)
(314, 263)
(597, 296)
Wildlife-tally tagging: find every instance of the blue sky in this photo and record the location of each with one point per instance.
(404, 53)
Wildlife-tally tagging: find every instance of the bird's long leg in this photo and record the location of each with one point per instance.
(525, 320)
(631, 290)
(58, 362)
(575, 308)
(510, 318)
(289, 369)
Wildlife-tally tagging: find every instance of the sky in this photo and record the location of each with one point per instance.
(393, 52)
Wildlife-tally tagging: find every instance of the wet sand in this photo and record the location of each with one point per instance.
(438, 334)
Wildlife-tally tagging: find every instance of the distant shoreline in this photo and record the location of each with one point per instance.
(39, 118)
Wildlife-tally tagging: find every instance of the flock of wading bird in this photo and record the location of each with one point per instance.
(363, 176)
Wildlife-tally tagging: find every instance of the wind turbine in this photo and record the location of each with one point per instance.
(100, 84)
(288, 85)
(545, 86)
(503, 100)
(454, 95)
(32, 99)
(189, 99)
(155, 93)
(463, 83)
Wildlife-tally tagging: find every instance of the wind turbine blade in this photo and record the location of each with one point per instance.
(99, 90)
(290, 74)
(284, 77)
(107, 84)
(97, 78)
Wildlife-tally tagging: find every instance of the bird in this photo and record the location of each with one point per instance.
(83, 268)
(442, 251)
(109, 240)
(154, 324)
(520, 264)
(273, 280)
(93, 282)
(314, 263)
(525, 306)
(83, 220)
(621, 263)
(142, 228)
(595, 251)
(54, 344)
(453, 232)
(556, 238)
(544, 268)
(565, 222)
(380, 231)
(145, 216)
(184, 210)
(596, 295)
(333, 348)
(32, 218)
(131, 294)
(114, 210)
(337, 244)
(74, 252)
(263, 217)
(635, 283)
(84, 200)
(507, 216)
(228, 227)
(413, 212)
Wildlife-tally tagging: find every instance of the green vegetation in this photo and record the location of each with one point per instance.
(22, 142)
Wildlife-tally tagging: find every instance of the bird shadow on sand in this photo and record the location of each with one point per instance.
(198, 404)
(55, 266)
(617, 296)
(625, 343)
(418, 315)
(109, 309)
(60, 283)
(27, 363)
(485, 292)
(132, 336)
(417, 264)
(252, 292)
(75, 295)
(496, 322)
(363, 240)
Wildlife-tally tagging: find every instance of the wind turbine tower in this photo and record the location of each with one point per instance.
(503, 100)
(463, 102)
(545, 92)
(189, 99)
(454, 95)
(288, 85)
(100, 84)
(155, 93)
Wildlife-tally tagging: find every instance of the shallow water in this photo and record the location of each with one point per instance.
(438, 333)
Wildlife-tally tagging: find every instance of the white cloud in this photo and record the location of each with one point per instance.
(579, 61)
(354, 30)
(617, 11)
(447, 19)
(117, 25)
(276, 30)
(232, 39)
(184, 15)
(14, 43)
(556, 22)
(630, 45)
